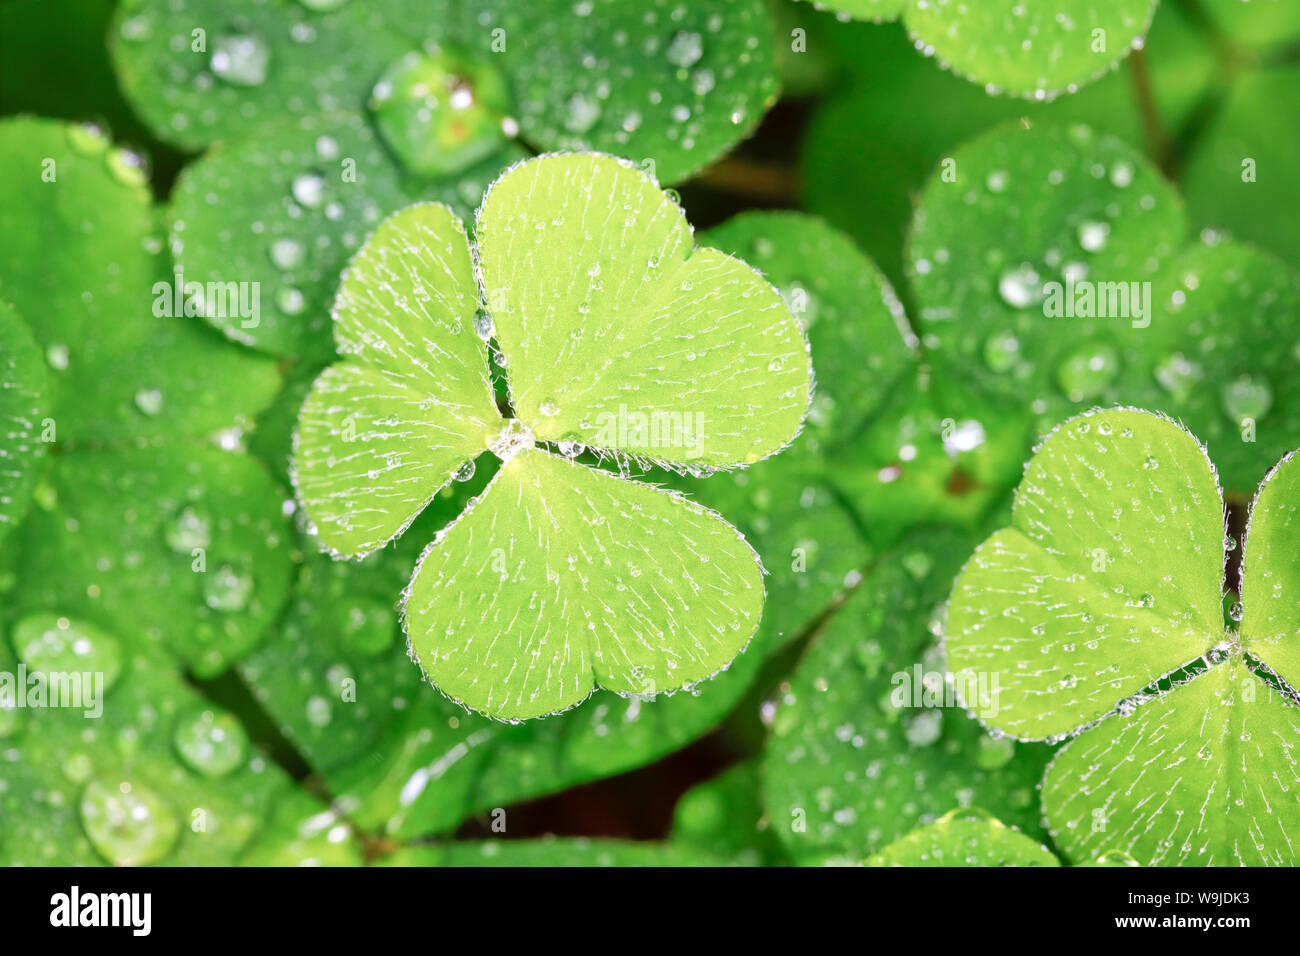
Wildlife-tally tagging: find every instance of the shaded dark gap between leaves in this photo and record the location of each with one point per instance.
(1153, 131)
(1237, 517)
(636, 805)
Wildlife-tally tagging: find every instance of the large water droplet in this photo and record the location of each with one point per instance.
(441, 112)
(309, 190)
(1021, 286)
(210, 742)
(1178, 375)
(1092, 235)
(52, 644)
(319, 711)
(465, 472)
(581, 113)
(287, 253)
(241, 59)
(1247, 397)
(514, 437)
(57, 355)
(188, 530)
(290, 300)
(127, 823)
(149, 401)
(685, 49)
(88, 139)
(1087, 372)
(227, 589)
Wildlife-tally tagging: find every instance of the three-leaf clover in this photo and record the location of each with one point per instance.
(616, 335)
(1099, 614)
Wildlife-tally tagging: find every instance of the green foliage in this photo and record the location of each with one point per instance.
(549, 853)
(415, 399)
(870, 740)
(22, 416)
(377, 435)
(146, 782)
(677, 86)
(964, 838)
(1099, 610)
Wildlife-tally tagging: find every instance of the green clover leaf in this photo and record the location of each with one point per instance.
(125, 366)
(1013, 47)
(335, 676)
(1099, 614)
(724, 817)
(1238, 177)
(616, 335)
(22, 417)
(908, 115)
(965, 838)
(141, 524)
(550, 852)
(869, 740)
(158, 775)
(446, 82)
(392, 122)
(1086, 233)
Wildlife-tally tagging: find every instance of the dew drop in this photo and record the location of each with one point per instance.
(189, 530)
(1247, 397)
(241, 59)
(581, 113)
(287, 254)
(210, 742)
(441, 112)
(127, 823)
(1001, 351)
(227, 589)
(88, 139)
(53, 644)
(1092, 235)
(685, 49)
(1021, 287)
(309, 190)
(149, 401)
(57, 356)
(1086, 372)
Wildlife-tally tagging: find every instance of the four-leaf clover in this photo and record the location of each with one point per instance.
(1099, 613)
(617, 336)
